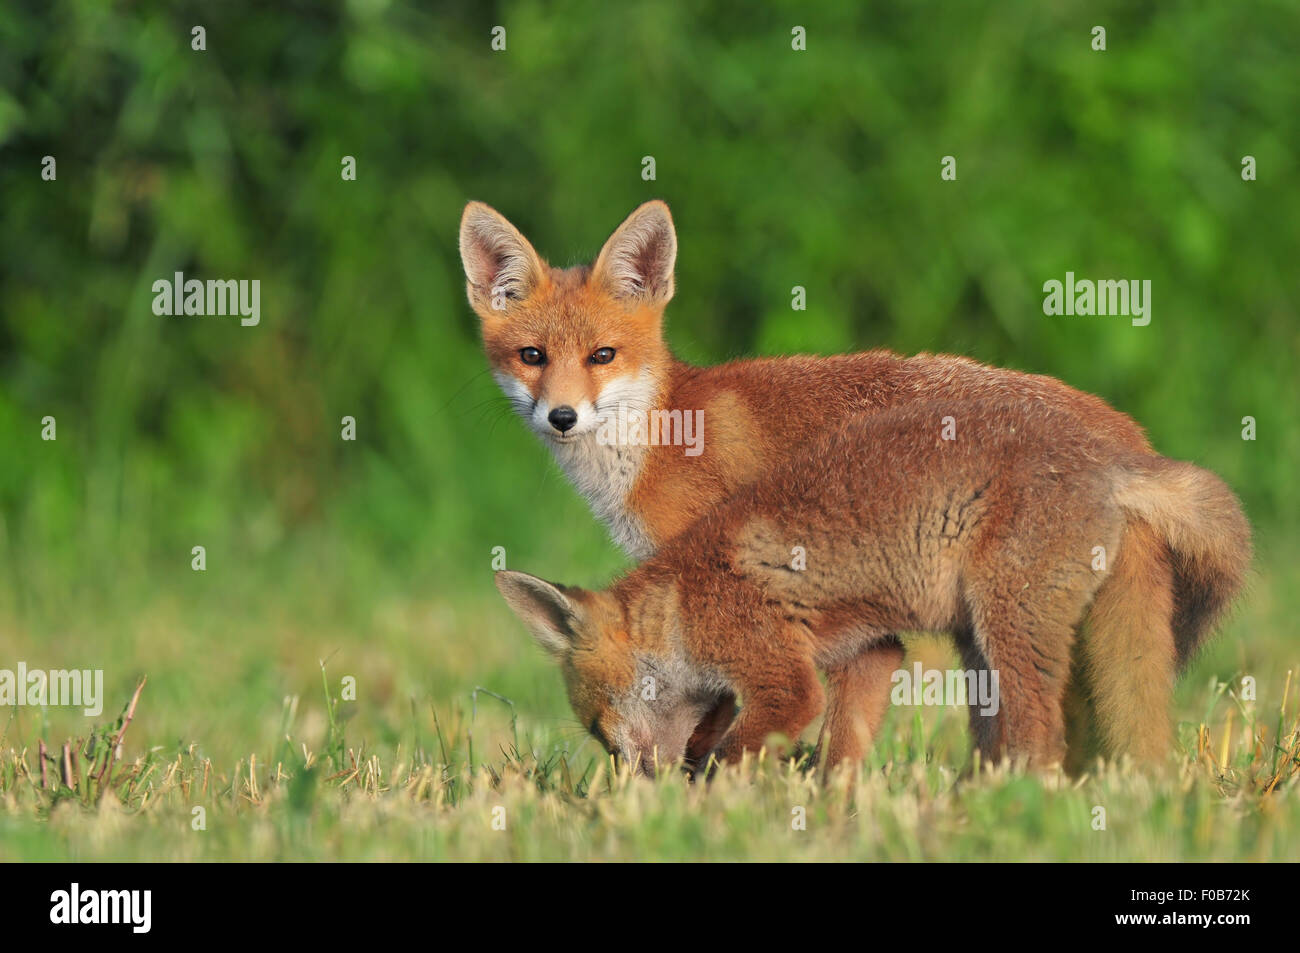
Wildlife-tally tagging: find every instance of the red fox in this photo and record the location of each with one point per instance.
(576, 348)
(990, 536)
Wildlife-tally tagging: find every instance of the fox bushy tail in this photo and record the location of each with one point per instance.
(1182, 561)
(1207, 537)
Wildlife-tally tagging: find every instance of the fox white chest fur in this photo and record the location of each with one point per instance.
(605, 475)
(603, 468)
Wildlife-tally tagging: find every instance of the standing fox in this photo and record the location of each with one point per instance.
(575, 348)
(990, 536)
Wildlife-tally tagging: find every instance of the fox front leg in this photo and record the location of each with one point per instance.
(858, 697)
(710, 731)
(785, 707)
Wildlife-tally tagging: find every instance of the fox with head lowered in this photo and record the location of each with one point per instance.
(573, 348)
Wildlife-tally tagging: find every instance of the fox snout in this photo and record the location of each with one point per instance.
(562, 418)
(547, 413)
(646, 758)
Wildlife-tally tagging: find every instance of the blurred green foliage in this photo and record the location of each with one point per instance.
(817, 168)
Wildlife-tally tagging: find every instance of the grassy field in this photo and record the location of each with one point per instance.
(242, 720)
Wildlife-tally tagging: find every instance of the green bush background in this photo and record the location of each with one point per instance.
(817, 168)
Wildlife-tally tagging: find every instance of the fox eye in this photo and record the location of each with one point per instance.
(602, 355)
(532, 356)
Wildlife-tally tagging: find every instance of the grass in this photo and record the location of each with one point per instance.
(477, 774)
(1228, 797)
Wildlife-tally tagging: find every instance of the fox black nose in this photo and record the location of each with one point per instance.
(563, 418)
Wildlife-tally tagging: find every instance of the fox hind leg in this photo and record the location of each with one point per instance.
(1027, 633)
(1129, 652)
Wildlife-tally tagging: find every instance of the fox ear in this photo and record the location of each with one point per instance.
(551, 616)
(637, 261)
(500, 266)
